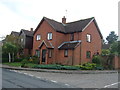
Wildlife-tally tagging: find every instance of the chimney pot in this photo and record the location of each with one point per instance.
(31, 29)
(64, 20)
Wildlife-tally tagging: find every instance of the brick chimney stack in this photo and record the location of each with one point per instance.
(31, 29)
(64, 20)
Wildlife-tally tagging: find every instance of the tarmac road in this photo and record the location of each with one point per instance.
(11, 79)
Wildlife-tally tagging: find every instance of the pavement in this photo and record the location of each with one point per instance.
(62, 71)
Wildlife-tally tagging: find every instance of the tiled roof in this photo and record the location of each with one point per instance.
(15, 33)
(56, 25)
(69, 45)
(76, 26)
(47, 44)
(28, 33)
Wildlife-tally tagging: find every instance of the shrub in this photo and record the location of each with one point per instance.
(58, 67)
(5, 58)
(105, 52)
(88, 66)
(69, 68)
(99, 67)
(24, 61)
(18, 60)
(97, 60)
(35, 60)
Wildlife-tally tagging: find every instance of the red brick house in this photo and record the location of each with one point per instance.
(71, 43)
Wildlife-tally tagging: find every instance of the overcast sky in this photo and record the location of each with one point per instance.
(25, 14)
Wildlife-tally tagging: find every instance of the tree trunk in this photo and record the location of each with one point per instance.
(13, 58)
(9, 57)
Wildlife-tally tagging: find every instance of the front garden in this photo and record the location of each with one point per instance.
(33, 62)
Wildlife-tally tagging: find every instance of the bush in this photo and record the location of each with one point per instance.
(69, 68)
(5, 58)
(105, 52)
(97, 60)
(55, 66)
(24, 62)
(18, 60)
(35, 60)
(87, 66)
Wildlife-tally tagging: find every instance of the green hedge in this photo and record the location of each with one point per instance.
(58, 67)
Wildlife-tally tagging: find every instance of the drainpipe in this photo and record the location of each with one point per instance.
(72, 56)
(80, 53)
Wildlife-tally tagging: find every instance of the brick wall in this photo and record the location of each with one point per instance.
(94, 46)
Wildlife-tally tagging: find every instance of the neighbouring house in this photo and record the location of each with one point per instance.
(26, 41)
(71, 43)
(13, 37)
(106, 46)
(14, 33)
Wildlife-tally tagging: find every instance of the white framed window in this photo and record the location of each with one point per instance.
(88, 38)
(38, 37)
(21, 39)
(49, 36)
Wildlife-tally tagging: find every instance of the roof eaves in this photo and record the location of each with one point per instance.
(38, 25)
(77, 44)
(42, 43)
(68, 42)
(98, 29)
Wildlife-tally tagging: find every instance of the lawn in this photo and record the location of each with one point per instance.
(18, 64)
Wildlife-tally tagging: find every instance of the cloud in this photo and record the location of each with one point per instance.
(24, 14)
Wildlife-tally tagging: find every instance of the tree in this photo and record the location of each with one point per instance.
(13, 40)
(115, 48)
(118, 47)
(112, 37)
(9, 49)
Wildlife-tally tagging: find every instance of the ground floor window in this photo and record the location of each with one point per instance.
(49, 53)
(37, 53)
(88, 54)
(66, 53)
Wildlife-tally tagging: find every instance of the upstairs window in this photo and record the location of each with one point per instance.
(65, 53)
(88, 54)
(38, 37)
(88, 37)
(72, 36)
(49, 36)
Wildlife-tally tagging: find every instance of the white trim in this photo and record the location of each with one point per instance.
(69, 42)
(88, 24)
(42, 43)
(46, 44)
(77, 45)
